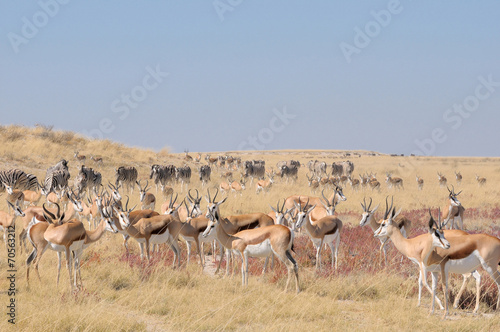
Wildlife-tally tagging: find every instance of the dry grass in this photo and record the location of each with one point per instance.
(121, 293)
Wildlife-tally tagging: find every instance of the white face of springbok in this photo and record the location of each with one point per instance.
(212, 212)
(367, 213)
(280, 213)
(453, 197)
(17, 209)
(107, 214)
(388, 226)
(302, 213)
(9, 189)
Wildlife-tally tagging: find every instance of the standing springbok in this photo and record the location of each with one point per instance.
(453, 211)
(394, 182)
(238, 187)
(368, 217)
(325, 230)
(480, 181)
(265, 185)
(420, 182)
(442, 180)
(7, 220)
(313, 183)
(417, 249)
(458, 177)
(148, 200)
(258, 242)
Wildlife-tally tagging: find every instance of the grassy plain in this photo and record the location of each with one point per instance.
(121, 293)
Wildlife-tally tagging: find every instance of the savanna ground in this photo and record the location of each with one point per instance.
(123, 293)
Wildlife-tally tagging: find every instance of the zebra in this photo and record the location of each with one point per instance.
(126, 176)
(317, 168)
(337, 169)
(55, 181)
(87, 178)
(205, 172)
(17, 179)
(162, 175)
(255, 169)
(290, 172)
(62, 165)
(183, 174)
(348, 168)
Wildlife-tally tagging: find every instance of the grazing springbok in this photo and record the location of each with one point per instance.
(453, 211)
(258, 242)
(368, 217)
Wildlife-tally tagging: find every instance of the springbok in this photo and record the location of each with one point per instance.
(238, 187)
(265, 185)
(368, 217)
(325, 230)
(417, 249)
(36, 235)
(313, 183)
(80, 157)
(259, 242)
(420, 182)
(148, 200)
(453, 211)
(394, 182)
(458, 177)
(7, 220)
(442, 180)
(480, 180)
(319, 212)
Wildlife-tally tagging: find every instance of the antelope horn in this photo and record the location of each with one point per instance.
(209, 199)
(326, 199)
(52, 217)
(216, 192)
(370, 205)
(197, 194)
(283, 206)
(189, 195)
(364, 205)
(126, 204)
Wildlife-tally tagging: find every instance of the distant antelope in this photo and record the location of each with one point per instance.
(238, 187)
(480, 181)
(420, 182)
(364, 179)
(265, 184)
(80, 157)
(354, 183)
(374, 184)
(224, 186)
(197, 159)
(458, 176)
(394, 182)
(313, 183)
(442, 179)
(212, 161)
(97, 160)
(7, 220)
(32, 197)
(187, 157)
(453, 211)
(148, 200)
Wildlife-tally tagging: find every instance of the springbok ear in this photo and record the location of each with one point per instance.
(432, 222)
(296, 205)
(208, 201)
(62, 217)
(397, 213)
(375, 209)
(222, 201)
(274, 210)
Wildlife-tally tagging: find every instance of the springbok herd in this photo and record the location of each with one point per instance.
(58, 222)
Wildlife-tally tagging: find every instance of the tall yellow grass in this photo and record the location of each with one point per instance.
(124, 294)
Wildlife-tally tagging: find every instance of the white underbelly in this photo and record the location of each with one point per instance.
(460, 266)
(74, 246)
(156, 238)
(262, 249)
(331, 238)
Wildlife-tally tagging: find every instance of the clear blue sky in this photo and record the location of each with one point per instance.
(345, 73)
